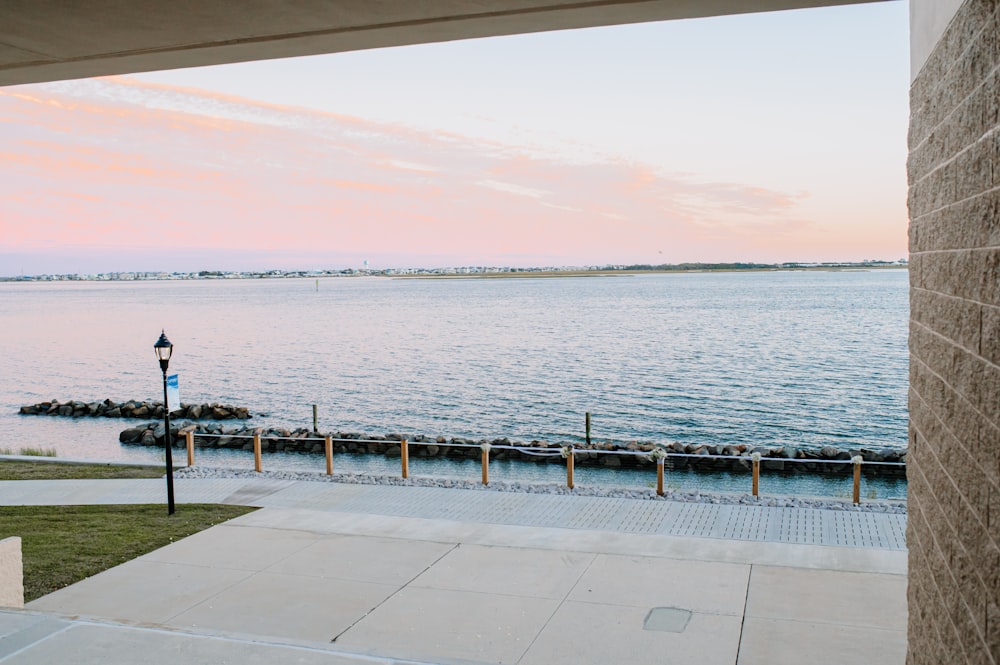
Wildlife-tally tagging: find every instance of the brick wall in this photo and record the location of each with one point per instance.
(954, 460)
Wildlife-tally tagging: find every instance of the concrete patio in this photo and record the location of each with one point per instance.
(324, 584)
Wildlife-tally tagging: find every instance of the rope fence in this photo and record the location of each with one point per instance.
(659, 455)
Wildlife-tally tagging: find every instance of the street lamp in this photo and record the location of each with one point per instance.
(164, 349)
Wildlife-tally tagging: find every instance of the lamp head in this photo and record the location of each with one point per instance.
(163, 348)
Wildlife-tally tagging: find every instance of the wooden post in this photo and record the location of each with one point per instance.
(857, 481)
(315, 414)
(256, 451)
(486, 466)
(570, 464)
(659, 477)
(405, 456)
(328, 444)
(756, 477)
(189, 436)
(588, 429)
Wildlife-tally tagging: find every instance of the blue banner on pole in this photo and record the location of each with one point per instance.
(173, 393)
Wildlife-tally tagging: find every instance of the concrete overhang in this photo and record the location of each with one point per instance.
(46, 40)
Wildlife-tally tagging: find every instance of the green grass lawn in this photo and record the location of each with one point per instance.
(61, 545)
(12, 470)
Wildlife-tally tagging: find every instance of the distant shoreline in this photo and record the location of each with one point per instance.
(618, 273)
(479, 272)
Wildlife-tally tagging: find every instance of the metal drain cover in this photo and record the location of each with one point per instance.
(667, 619)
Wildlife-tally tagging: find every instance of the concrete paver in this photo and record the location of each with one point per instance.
(431, 624)
(364, 559)
(718, 588)
(290, 607)
(141, 591)
(83, 642)
(239, 548)
(597, 633)
(507, 571)
(777, 642)
(828, 596)
(345, 574)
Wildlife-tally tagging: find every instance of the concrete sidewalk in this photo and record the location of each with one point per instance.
(337, 585)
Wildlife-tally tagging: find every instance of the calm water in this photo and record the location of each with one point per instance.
(800, 358)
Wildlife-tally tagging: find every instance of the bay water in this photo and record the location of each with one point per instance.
(800, 358)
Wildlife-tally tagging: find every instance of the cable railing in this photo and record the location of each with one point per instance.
(661, 457)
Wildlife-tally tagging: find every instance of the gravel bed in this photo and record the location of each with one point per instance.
(871, 506)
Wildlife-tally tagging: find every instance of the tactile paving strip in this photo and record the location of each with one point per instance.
(734, 522)
(701, 520)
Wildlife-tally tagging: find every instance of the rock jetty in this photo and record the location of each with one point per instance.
(133, 409)
(828, 459)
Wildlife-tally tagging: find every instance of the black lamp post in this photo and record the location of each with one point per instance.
(164, 349)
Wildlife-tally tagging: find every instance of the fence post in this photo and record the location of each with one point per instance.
(570, 463)
(256, 451)
(857, 459)
(189, 436)
(328, 444)
(405, 457)
(659, 477)
(756, 473)
(588, 428)
(315, 419)
(486, 464)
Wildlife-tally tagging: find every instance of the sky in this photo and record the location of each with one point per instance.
(764, 137)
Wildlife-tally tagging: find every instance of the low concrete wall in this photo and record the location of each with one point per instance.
(11, 573)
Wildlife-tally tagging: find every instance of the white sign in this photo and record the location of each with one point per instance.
(173, 393)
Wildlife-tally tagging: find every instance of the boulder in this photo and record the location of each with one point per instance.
(131, 435)
(829, 452)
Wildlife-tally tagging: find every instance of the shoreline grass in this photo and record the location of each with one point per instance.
(30, 451)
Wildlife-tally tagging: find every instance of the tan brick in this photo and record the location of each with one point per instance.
(966, 224)
(957, 319)
(986, 265)
(993, 529)
(993, 628)
(989, 338)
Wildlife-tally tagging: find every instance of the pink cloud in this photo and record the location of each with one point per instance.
(119, 164)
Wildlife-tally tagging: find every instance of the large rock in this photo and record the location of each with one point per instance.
(828, 452)
(131, 435)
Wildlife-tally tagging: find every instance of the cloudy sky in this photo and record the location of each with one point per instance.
(768, 137)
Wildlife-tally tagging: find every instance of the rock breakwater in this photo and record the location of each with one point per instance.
(828, 459)
(133, 409)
